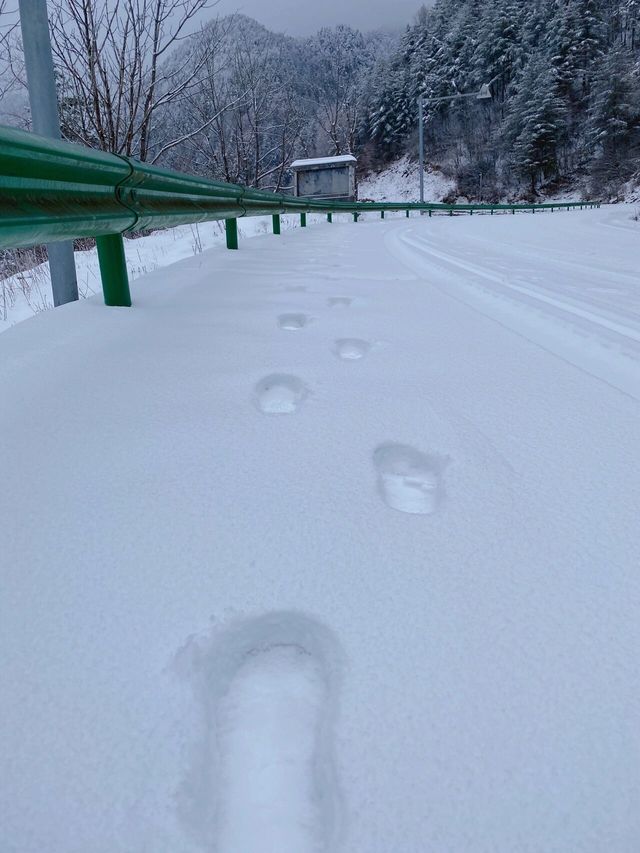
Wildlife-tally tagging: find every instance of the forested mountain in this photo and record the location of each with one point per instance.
(275, 98)
(565, 75)
(238, 102)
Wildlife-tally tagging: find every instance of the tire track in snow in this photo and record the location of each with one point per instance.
(607, 351)
(564, 306)
(588, 272)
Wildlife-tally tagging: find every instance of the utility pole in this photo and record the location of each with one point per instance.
(421, 147)
(36, 43)
(483, 95)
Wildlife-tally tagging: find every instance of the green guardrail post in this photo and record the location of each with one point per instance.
(303, 220)
(329, 217)
(355, 217)
(231, 228)
(492, 211)
(276, 223)
(450, 211)
(382, 214)
(430, 213)
(407, 213)
(513, 211)
(113, 270)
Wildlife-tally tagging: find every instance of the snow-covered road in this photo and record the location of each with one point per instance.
(330, 544)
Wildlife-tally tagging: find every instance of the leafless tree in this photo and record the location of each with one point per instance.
(8, 27)
(257, 120)
(266, 124)
(339, 56)
(119, 67)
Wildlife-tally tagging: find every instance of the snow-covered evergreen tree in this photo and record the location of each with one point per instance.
(536, 125)
(614, 119)
(548, 61)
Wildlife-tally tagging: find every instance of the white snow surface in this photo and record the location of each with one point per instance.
(400, 181)
(29, 292)
(330, 544)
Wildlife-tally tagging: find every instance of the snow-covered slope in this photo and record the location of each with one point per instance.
(400, 181)
(330, 544)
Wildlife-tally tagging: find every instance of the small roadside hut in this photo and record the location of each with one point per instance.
(326, 178)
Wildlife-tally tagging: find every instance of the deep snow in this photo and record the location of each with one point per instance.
(29, 292)
(330, 544)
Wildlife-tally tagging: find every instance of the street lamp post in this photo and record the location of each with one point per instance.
(483, 95)
(38, 62)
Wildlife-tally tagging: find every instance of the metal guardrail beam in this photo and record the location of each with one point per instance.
(52, 190)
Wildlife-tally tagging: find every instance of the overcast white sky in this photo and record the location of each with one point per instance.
(301, 17)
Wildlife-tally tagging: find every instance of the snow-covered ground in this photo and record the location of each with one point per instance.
(400, 181)
(330, 544)
(29, 292)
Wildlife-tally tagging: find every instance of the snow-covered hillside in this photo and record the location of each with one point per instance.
(400, 181)
(330, 544)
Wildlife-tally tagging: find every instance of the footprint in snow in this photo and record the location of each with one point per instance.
(266, 734)
(279, 394)
(292, 321)
(350, 349)
(408, 480)
(264, 775)
(333, 301)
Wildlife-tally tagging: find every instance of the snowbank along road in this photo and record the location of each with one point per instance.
(330, 544)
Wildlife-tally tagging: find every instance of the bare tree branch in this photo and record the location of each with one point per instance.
(108, 54)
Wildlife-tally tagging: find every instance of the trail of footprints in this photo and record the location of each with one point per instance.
(407, 479)
(271, 681)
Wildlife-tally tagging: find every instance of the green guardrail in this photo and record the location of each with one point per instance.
(52, 190)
